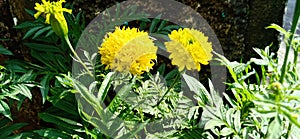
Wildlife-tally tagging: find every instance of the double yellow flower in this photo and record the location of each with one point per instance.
(132, 50)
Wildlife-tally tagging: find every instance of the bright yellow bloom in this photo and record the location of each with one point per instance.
(54, 15)
(188, 48)
(128, 50)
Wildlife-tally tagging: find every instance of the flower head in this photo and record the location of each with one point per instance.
(128, 50)
(188, 48)
(54, 15)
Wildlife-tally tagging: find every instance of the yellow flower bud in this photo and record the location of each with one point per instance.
(59, 24)
(54, 15)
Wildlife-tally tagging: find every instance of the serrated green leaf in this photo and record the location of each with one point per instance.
(274, 129)
(237, 121)
(229, 116)
(45, 86)
(196, 87)
(213, 123)
(230, 100)
(5, 110)
(105, 85)
(226, 131)
(22, 89)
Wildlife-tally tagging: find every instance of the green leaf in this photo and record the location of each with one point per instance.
(162, 24)
(8, 130)
(49, 33)
(43, 47)
(5, 110)
(229, 117)
(31, 31)
(195, 86)
(278, 28)
(60, 121)
(4, 121)
(4, 51)
(26, 25)
(226, 131)
(51, 133)
(169, 28)
(30, 12)
(237, 120)
(105, 87)
(45, 86)
(22, 89)
(260, 61)
(230, 100)
(161, 69)
(274, 129)
(67, 106)
(213, 123)
(154, 23)
(41, 31)
(26, 77)
(171, 74)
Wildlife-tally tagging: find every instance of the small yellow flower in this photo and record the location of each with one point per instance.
(128, 50)
(54, 15)
(188, 48)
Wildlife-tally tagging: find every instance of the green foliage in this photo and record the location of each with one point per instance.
(266, 109)
(7, 128)
(158, 29)
(5, 51)
(14, 86)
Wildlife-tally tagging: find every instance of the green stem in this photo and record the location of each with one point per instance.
(77, 57)
(173, 84)
(296, 57)
(289, 130)
(284, 66)
(290, 41)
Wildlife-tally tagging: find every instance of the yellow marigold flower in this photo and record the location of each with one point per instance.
(54, 15)
(188, 48)
(128, 50)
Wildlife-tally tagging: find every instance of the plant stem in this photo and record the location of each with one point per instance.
(288, 131)
(296, 57)
(290, 41)
(77, 57)
(173, 84)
